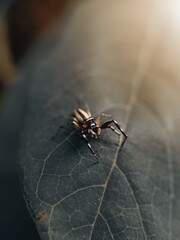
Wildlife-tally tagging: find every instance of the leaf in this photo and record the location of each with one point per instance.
(121, 65)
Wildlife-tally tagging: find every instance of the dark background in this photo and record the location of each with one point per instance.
(21, 24)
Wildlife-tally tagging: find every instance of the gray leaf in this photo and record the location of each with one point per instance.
(116, 56)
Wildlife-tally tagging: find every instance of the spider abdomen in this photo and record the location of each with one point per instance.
(81, 115)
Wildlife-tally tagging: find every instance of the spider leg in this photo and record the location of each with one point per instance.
(57, 133)
(101, 116)
(106, 125)
(69, 119)
(114, 130)
(89, 145)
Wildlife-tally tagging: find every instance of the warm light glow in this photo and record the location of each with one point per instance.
(175, 11)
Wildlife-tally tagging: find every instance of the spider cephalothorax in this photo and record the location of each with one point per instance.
(89, 126)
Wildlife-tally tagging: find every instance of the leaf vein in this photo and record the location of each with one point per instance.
(109, 229)
(45, 160)
(134, 197)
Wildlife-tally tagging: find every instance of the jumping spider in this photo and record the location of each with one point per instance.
(90, 127)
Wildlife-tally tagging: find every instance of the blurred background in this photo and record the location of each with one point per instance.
(24, 22)
(21, 24)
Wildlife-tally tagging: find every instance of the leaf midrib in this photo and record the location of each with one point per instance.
(145, 55)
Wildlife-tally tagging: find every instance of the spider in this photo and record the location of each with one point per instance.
(90, 127)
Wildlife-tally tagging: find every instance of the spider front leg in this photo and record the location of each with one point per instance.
(107, 125)
(100, 117)
(57, 133)
(88, 144)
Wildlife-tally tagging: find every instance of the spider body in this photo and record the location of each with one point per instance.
(85, 123)
(90, 127)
